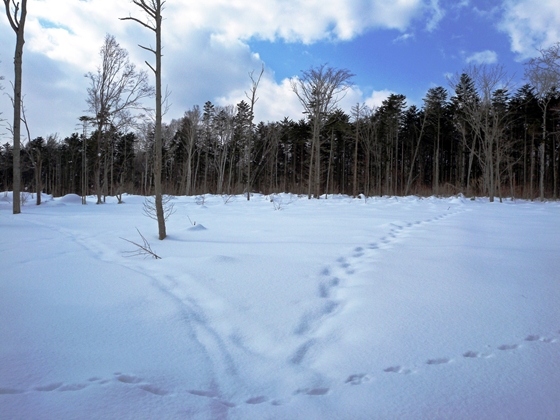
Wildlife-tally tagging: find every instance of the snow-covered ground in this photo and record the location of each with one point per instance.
(386, 308)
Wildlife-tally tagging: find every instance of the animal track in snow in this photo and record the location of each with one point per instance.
(72, 387)
(212, 395)
(539, 338)
(257, 400)
(532, 338)
(300, 353)
(153, 389)
(307, 320)
(358, 252)
(209, 394)
(475, 355)
(357, 379)
(312, 391)
(326, 287)
(128, 379)
(508, 347)
(439, 361)
(397, 369)
(317, 391)
(50, 387)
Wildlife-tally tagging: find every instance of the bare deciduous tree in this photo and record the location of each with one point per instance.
(487, 124)
(248, 148)
(16, 16)
(115, 89)
(543, 73)
(319, 90)
(188, 135)
(153, 9)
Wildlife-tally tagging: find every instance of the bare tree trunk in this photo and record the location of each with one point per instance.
(329, 166)
(541, 170)
(253, 99)
(555, 170)
(18, 25)
(311, 157)
(38, 169)
(525, 164)
(158, 164)
(532, 166)
(357, 109)
(409, 180)
(153, 10)
(436, 158)
(318, 168)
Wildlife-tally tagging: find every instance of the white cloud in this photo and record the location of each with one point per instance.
(437, 15)
(483, 57)
(377, 97)
(304, 21)
(276, 100)
(206, 54)
(531, 25)
(403, 38)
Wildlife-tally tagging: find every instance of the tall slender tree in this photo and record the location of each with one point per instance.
(357, 112)
(435, 106)
(464, 101)
(252, 101)
(153, 9)
(16, 15)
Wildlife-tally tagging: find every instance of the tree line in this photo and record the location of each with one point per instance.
(480, 137)
(475, 140)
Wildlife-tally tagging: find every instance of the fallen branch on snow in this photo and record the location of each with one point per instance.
(145, 249)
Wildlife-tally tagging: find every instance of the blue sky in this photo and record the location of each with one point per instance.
(402, 46)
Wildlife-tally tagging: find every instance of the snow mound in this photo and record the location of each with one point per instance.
(70, 199)
(197, 227)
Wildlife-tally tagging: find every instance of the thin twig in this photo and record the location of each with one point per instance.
(145, 249)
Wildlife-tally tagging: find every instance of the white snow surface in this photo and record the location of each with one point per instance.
(281, 308)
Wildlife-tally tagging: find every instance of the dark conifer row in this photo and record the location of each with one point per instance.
(455, 143)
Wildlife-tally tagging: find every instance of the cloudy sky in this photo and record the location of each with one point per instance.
(210, 46)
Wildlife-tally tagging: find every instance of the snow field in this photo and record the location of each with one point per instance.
(281, 308)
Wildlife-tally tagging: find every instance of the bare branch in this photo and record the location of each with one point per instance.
(147, 49)
(149, 207)
(14, 23)
(144, 24)
(150, 66)
(145, 249)
(255, 84)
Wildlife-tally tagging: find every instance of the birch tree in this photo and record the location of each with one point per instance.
(16, 14)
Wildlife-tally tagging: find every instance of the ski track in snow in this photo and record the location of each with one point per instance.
(333, 277)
